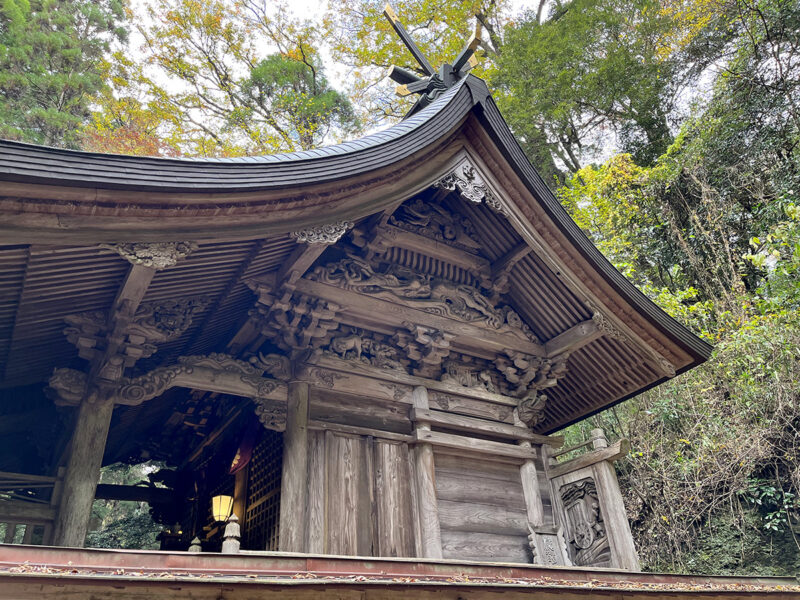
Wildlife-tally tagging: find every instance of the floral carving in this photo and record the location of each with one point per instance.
(322, 234)
(148, 386)
(158, 255)
(531, 409)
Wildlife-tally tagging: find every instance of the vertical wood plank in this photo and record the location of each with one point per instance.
(425, 475)
(294, 476)
(393, 498)
(315, 528)
(342, 515)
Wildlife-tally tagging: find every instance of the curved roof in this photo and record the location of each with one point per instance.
(30, 163)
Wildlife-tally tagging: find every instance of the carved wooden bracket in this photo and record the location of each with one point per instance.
(213, 372)
(426, 346)
(322, 234)
(158, 255)
(128, 338)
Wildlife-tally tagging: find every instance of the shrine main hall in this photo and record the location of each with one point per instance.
(351, 365)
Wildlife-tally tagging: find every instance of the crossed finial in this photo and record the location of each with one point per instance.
(436, 81)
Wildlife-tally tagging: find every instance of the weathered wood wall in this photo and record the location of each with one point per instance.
(481, 510)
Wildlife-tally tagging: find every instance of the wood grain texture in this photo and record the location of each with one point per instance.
(482, 426)
(294, 475)
(315, 528)
(460, 545)
(469, 487)
(482, 518)
(461, 442)
(395, 529)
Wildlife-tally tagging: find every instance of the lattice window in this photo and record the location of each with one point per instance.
(264, 494)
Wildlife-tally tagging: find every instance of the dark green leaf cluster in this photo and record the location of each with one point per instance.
(50, 59)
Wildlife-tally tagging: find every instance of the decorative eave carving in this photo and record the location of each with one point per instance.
(158, 255)
(436, 222)
(272, 415)
(465, 180)
(322, 234)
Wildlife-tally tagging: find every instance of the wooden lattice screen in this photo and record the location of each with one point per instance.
(264, 494)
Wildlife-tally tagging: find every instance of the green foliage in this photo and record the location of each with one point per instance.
(51, 54)
(120, 523)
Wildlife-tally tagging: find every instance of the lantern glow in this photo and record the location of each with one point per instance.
(221, 507)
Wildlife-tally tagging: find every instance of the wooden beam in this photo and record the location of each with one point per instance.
(475, 445)
(135, 493)
(482, 426)
(22, 512)
(574, 338)
(615, 451)
(83, 471)
(315, 425)
(400, 238)
(504, 264)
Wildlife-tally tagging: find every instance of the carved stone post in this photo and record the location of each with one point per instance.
(425, 476)
(294, 478)
(623, 551)
(83, 468)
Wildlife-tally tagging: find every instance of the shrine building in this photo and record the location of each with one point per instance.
(352, 362)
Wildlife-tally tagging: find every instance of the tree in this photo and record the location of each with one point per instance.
(592, 66)
(51, 54)
(225, 95)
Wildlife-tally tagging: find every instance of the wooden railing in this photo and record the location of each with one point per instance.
(28, 507)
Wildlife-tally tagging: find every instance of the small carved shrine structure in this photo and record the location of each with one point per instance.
(369, 346)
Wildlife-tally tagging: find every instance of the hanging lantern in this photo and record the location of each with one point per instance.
(221, 507)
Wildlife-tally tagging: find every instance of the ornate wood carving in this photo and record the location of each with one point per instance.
(295, 321)
(322, 234)
(436, 222)
(528, 375)
(271, 414)
(547, 546)
(355, 344)
(433, 295)
(130, 338)
(586, 532)
(465, 180)
(158, 255)
(426, 347)
(468, 375)
(67, 386)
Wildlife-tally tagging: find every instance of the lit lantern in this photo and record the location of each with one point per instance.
(221, 507)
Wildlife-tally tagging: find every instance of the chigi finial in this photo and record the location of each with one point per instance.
(435, 82)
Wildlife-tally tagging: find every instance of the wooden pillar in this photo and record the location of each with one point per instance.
(425, 477)
(530, 484)
(294, 477)
(623, 551)
(83, 471)
(240, 494)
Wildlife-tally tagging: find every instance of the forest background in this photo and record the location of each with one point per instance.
(669, 130)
